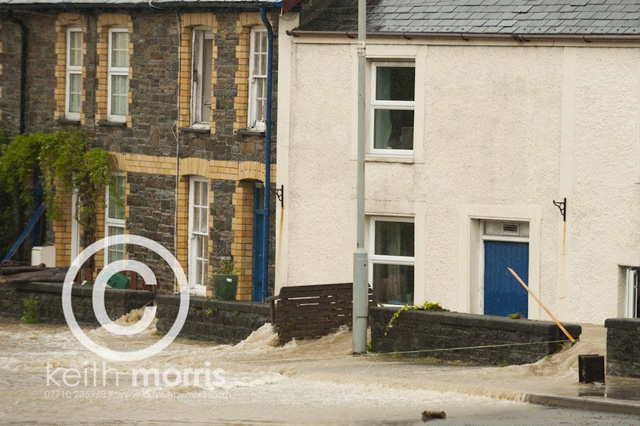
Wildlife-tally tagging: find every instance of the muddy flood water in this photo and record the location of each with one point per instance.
(48, 378)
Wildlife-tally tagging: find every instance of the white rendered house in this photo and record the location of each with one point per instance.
(475, 126)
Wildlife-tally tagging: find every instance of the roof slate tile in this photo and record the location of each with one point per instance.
(482, 16)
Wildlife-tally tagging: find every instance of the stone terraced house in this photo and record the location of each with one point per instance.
(480, 115)
(177, 92)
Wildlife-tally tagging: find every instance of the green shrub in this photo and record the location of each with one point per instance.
(30, 314)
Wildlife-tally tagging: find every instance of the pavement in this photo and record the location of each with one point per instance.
(616, 395)
(553, 381)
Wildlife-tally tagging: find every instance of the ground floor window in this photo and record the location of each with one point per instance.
(115, 220)
(198, 234)
(633, 301)
(392, 245)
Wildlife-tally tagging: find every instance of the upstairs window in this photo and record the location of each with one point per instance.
(201, 90)
(118, 86)
(257, 113)
(73, 98)
(115, 217)
(392, 108)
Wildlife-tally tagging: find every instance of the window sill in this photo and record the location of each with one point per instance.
(112, 123)
(68, 121)
(389, 159)
(251, 132)
(202, 130)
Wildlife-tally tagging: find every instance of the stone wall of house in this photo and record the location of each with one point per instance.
(10, 54)
(623, 347)
(48, 308)
(213, 320)
(503, 340)
(151, 203)
(152, 137)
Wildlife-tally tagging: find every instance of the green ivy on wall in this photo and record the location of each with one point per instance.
(62, 161)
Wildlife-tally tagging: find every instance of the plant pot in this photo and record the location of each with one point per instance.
(225, 286)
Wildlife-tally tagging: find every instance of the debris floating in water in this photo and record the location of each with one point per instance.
(430, 415)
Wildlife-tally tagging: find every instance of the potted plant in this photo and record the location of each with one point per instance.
(225, 280)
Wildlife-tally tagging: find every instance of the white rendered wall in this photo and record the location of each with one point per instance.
(502, 130)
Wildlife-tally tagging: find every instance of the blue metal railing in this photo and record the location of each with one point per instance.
(32, 223)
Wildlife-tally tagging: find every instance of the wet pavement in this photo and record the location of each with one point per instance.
(316, 382)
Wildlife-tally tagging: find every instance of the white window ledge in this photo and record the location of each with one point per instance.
(389, 158)
(196, 129)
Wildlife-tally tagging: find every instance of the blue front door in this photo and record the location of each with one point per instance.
(259, 216)
(503, 295)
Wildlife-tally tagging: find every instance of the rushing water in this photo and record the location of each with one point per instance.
(47, 377)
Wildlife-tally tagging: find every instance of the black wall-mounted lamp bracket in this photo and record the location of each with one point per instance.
(562, 206)
(280, 195)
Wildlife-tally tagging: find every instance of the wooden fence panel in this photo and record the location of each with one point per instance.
(310, 312)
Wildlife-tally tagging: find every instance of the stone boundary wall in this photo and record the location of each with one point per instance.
(429, 330)
(49, 296)
(623, 347)
(213, 320)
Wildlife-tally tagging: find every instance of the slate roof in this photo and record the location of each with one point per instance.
(553, 17)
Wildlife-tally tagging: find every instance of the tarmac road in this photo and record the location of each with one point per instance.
(536, 415)
(313, 383)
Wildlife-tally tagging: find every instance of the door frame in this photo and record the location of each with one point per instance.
(196, 289)
(469, 233)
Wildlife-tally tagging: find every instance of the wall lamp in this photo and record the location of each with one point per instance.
(562, 206)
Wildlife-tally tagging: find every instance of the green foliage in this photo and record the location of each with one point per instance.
(426, 306)
(30, 313)
(515, 315)
(9, 227)
(62, 161)
(19, 164)
(227, 267)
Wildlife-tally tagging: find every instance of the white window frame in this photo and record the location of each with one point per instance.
(193, 259)
(198, 70)
(114, 71)
(386, 259)
(375, 104)
(75, 228)
(114, 222)
(255, 123)
(72, 70)
(632, 277)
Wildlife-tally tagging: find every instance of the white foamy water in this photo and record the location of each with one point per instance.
(253, 382)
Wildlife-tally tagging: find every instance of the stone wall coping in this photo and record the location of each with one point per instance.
(482, 321)
(626, 323)
(225, 305)
(86, 291)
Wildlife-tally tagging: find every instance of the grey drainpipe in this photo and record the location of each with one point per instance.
(267, 166)
(23, 68)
